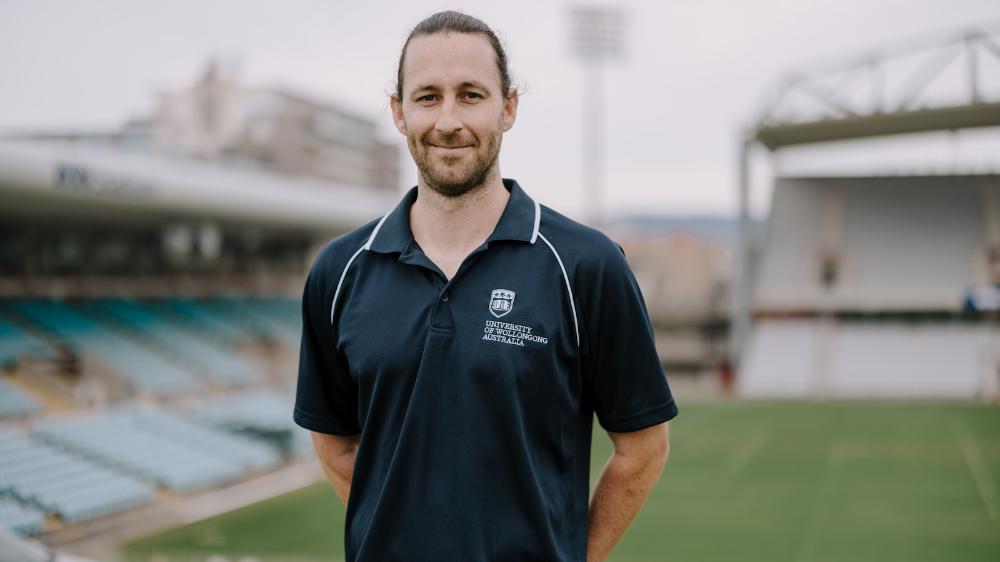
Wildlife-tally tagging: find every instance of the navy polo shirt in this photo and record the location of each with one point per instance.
(475, 396)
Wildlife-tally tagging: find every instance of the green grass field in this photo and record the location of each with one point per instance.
(774, 482)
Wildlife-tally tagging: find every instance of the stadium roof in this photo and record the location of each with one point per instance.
(92, 183)
(921, 85)
(855, 127)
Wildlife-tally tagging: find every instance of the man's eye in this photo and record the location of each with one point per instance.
(473, 95)
(428, 97)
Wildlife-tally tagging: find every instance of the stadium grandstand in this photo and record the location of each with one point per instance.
(877, 283)
(149, 326)
(150, 285)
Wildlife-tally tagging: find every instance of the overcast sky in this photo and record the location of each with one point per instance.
(693, 78)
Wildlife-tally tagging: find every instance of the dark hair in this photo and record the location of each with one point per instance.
(456, 22)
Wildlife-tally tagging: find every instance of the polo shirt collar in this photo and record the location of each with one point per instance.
(519, 222)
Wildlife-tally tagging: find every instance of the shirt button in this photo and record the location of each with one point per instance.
(444, 297)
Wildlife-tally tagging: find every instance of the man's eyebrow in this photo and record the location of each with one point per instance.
(473, 84)
(424, 87)
(464, 85)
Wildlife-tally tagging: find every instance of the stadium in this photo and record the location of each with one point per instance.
(150, 283)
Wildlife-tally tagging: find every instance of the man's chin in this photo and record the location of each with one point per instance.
(451, 185)
(451, 188)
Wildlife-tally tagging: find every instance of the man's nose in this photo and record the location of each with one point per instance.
(447, 119)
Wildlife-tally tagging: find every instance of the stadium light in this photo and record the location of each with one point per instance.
(597, 37)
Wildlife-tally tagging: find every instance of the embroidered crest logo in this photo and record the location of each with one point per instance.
(501, 302)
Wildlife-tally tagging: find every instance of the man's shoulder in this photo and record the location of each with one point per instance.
(580, 247)
(337, 253)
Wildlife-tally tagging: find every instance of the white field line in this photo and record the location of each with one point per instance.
(743, 454)
(977, 466)
(821, 505)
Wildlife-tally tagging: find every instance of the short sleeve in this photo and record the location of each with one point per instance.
(626, 384)
(326, 398)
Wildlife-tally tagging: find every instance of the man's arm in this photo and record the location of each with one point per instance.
(624, 484)
(336, 456)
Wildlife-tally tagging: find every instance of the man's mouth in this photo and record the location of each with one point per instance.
(447, 148)
(450, 148)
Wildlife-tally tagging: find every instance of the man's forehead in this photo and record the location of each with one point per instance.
(446, 60)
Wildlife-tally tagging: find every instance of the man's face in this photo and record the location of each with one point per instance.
(453, 112)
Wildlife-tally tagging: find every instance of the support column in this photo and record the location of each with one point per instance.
(740, 322)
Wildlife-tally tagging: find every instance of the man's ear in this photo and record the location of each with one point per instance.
(510, 109)
(397, 114)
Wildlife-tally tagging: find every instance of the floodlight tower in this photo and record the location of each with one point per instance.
(597, 38)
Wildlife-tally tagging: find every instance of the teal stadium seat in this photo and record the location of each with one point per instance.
(144, 369)
(159, 447)
(213, 362)
(54, 481)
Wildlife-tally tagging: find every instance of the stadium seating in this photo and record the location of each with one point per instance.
(233, 320)
(283, 315)
(205, 358)
(15, 403)
(16, 344)
(57, 482)
(256, 321)
(159, 447)
(191, 315)
(288, 310)
(257, 413)
(247, 453)
(146, 370)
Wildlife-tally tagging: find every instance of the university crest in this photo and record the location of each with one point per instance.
(501, 302)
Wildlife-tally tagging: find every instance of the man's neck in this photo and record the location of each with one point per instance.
(449, 228)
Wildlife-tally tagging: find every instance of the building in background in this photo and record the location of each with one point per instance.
(683, 265)
(219, 119)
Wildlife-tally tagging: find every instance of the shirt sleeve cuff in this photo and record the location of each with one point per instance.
(659, 414)
(325, 425)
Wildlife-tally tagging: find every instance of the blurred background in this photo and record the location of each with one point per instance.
(808, 193)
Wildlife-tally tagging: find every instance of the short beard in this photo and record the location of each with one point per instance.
(459, 182)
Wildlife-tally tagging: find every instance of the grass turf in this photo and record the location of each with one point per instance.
(788, 481)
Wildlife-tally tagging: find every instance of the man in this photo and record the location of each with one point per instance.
(455, 350)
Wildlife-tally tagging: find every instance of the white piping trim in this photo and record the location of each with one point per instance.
(343, 274)
(572, 301)
(368, 244)
(538, 219)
